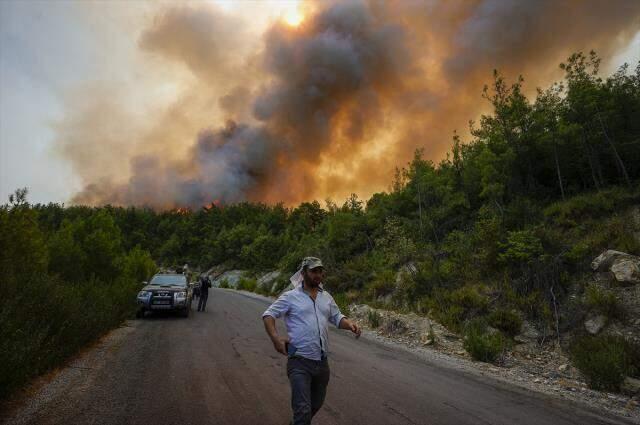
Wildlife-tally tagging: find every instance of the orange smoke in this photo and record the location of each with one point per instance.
(329, 106)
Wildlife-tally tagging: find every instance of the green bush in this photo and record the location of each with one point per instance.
(481, 345)
(355, 273)
(487, 235)
(138, 265)
(469, 298)
(53, 300)
(603, 302)
(383, 284)
(592, 237)
(246, 284)
(262, 290)
(452, 316)
(578, 253)
(590, 205)
(452, 308)
(605, 360)
(23, 247)
(507, 321)
(374, 319)
(264, 251)
(45, 320)
(621, 230)
(224, 284)
(521, 247)
(396, 243)
(279, 285)
(342, 302)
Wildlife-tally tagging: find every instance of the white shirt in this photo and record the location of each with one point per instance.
(307, 320)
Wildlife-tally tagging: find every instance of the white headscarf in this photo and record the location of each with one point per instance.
(297, 279)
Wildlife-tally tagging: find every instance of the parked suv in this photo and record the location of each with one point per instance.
(166, 292)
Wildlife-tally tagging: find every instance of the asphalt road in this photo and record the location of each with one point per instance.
(218, 367)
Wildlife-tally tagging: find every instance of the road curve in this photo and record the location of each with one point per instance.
(218, 367)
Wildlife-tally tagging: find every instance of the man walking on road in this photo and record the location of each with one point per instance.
(205, 284)
(307, 311)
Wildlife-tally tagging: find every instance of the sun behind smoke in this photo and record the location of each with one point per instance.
(293, 17)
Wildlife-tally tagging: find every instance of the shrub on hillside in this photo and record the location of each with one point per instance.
(355, 273)
(521, 247)
(452, 308)
(264, 252)
(603, 302)
(374, 319)
(451, 316)
(54, 303)
(621, 230)
(590, 205)
(507, 321)
(45, 320)
(591, 238)
(342, 302)
(383, 284)
(605, 360)
(469, 297)
(24, 250)
(279, 285)
(138, 265)
(262, 290)
(247, 284)
(482, 345)
(396, 243)
(579, 253)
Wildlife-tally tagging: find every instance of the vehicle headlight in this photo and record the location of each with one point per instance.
(144, 294)
(182, 294)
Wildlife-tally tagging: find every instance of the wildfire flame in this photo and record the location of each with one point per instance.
(182, 210)
(214, 204)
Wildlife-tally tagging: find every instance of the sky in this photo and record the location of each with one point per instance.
(169, 104)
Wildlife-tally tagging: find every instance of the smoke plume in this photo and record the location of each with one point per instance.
(327, 107)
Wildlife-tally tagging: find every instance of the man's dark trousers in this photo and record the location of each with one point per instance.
(202, 303)
(309, 380)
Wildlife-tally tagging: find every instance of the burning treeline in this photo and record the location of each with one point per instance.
(324, 108)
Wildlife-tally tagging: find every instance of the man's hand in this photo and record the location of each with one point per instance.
(356, 329)
(279, 343)
(351, 326)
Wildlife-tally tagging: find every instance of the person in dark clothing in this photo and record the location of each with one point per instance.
(196, 289)
(205, 284)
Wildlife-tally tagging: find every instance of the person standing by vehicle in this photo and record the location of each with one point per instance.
(196, 288)
(307, 311)
(205, 284)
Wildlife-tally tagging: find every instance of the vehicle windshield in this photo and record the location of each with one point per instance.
(169, 279)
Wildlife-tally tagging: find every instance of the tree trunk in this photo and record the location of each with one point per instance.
(596, 161)
(555, 156)
(591, 166)
(419, 207)
(621, 168)
(555, 311)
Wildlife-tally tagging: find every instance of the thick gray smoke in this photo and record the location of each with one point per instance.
(333, 105)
